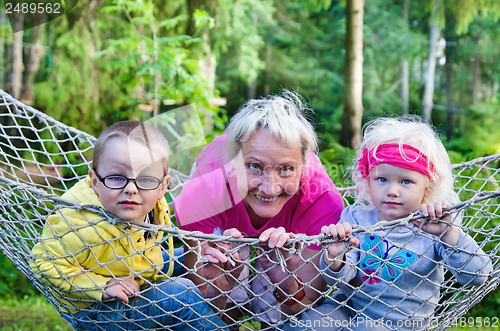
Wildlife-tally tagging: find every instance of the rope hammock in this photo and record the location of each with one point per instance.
(40, 158)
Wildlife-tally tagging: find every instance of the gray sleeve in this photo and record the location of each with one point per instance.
(466, 261)
(345, 274)
(349, 269)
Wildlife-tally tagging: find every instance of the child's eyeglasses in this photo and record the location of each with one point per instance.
(116, 182)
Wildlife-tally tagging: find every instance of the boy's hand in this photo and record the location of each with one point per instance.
(339, 231)
(121, 289)
(448, 233)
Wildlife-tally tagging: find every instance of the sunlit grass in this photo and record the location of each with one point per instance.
(30, 313)
(34, 313)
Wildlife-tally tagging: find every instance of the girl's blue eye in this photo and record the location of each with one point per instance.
(382, 179)
(406, 181)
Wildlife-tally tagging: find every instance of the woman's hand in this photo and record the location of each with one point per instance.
(121, 288)
(276, 238)
(339, 231)
(219, 261)
(443, 228)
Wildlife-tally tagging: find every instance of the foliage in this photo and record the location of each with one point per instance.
(30, 313)
(107, 59)
(388, 39)
(480, 135)
(79, 89)
(12, 281)
(238, 38)
(337, 161)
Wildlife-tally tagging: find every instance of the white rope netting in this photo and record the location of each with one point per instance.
(41, 158)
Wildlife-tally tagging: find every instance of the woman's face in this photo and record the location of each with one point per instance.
(273, 172)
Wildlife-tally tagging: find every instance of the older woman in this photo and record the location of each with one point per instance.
(286, 192)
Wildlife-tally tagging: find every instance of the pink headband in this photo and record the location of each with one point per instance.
(404, 156)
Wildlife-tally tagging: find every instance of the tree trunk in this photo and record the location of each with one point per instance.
(427, 102)
(191, 6)
(94, 64)
(353, 75)
(208, 62)
(450, 116)
(251, 89)
(2, 53)
(405, 94)
(476, 86)
(17, 60)
(269, 57)
(36, 52)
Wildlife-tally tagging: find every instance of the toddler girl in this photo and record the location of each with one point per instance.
(392, 278)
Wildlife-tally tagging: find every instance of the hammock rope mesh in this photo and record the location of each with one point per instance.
(40, 158)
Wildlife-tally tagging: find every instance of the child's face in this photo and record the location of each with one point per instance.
(130, 159)
(396, 192)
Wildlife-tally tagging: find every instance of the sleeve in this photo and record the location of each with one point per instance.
(345, 274)
(467, 261)
(60, 257)
(349, 270)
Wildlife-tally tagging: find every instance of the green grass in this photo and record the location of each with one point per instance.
(30, 313)
(34, 313)
(474, 329)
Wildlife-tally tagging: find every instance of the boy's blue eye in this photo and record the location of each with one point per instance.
(145, 180)
(117, 179)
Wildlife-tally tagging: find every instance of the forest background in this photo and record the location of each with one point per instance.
(110, 60)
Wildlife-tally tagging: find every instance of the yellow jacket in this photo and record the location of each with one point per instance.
(80, 251)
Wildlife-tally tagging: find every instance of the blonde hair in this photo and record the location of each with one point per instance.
(411, 131)
(283, 115)
(136, 131)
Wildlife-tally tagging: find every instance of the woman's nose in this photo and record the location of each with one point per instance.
(270, 184)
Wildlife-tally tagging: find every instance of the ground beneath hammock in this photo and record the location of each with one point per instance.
(30, 313)
(34, 313)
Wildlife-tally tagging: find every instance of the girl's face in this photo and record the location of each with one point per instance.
(273, 172)
(130, 159)
(396, 192)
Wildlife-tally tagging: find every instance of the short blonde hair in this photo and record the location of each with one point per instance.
(409, 130)
(283, 115)
(136, 131)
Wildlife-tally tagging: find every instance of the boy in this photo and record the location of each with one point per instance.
(109, 275)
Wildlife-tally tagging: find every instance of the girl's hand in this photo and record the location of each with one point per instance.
(339, 231)
(443, 228)
(121, 288)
